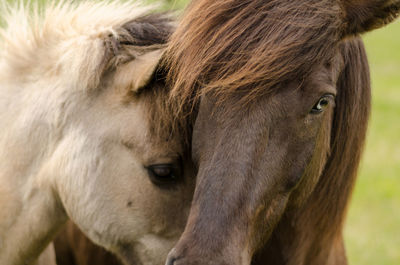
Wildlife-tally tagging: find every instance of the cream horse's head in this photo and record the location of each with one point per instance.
(79, 97)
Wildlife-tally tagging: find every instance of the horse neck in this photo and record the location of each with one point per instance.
(33, 227)
(30, 213)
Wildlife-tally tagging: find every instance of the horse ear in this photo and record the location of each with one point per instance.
(138, 73)
(366, 15)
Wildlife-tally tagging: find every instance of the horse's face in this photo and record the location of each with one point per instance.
(250, 162)
(257, 161)
(125, 187)
(82, 128)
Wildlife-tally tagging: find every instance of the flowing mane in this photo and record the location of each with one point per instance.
(252, 46)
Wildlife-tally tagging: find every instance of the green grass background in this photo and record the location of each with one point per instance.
(372, 232)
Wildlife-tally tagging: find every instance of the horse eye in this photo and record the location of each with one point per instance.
(321, 104)
(162, 173)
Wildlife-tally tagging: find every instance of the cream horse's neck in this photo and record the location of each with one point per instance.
(34, 227)
(30, 213)
(48, 256)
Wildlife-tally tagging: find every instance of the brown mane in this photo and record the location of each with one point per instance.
(276, 41)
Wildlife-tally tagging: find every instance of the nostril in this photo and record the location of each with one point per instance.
(171, 260)
(172, 257)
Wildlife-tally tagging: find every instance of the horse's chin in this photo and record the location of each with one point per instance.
(149, 250)
(128, 255)
(133, 258)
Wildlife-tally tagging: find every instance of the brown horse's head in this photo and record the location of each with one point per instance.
(279, 92)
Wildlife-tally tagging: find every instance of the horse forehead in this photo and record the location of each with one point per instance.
(136, 134)
(135, 125)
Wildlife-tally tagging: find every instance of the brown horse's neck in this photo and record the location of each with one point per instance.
(312, 234)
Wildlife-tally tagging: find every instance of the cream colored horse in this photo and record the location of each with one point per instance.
(78, 96)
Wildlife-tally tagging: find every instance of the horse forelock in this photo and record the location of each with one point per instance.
(249, 47)
(75, 41)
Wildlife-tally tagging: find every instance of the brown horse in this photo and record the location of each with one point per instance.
(279, 95)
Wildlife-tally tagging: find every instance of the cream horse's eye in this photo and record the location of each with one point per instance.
(321, 104)
(162, 174)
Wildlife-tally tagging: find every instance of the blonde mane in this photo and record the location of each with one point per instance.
(64, 39)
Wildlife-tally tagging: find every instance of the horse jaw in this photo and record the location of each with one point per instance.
(148, 250)
(48, 256)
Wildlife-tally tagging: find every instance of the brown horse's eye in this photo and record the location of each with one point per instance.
(162, 173)
(321, 104)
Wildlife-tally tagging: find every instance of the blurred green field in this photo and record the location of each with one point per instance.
(372, 233)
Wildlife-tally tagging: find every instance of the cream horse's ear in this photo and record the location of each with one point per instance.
(365, 15)
(137, 73)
